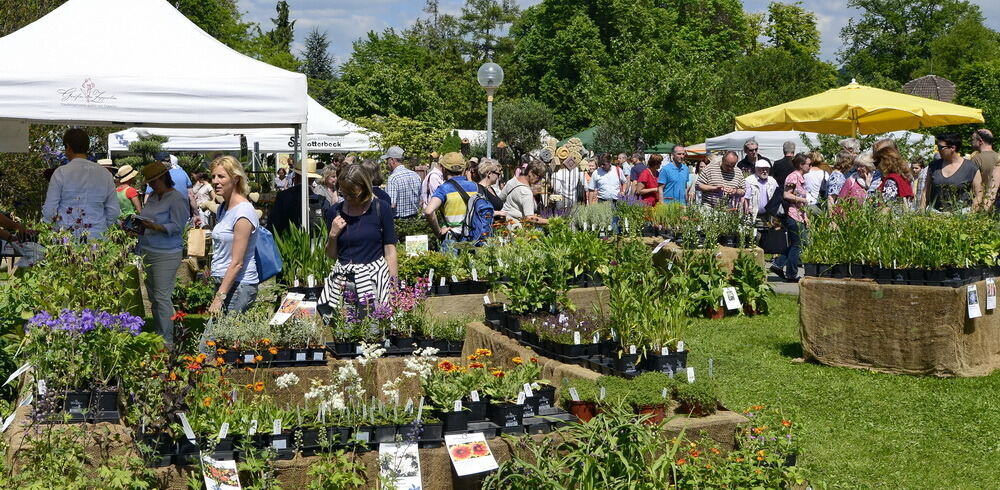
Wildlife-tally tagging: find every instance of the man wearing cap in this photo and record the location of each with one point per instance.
(403, 184)
(81, 194)
(750, 150)
(759, 189)
(448, 198)
(673, 177)
(287, 209)
(181, 180)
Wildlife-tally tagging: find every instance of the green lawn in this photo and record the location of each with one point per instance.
(860, 429)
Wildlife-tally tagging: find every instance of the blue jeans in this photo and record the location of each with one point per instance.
(790, 259)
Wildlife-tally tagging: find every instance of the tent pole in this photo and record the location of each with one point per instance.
(300, 134)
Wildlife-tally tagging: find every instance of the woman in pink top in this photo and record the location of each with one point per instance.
(795, 218)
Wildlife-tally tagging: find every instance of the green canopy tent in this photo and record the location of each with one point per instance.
(587, 137)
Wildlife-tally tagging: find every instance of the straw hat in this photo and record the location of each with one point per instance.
(153, 171)
(126, 173)
(310, 169)
(105, 162)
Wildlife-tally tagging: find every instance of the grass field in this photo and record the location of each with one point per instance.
(860, 429)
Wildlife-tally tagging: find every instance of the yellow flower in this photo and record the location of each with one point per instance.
(517, 360)
(259, 386)
(484, 352)
(472, 357)
(207, 401)
(220, 361)
(210, 343)
(273, 351)
(265, 341)
(258, 358)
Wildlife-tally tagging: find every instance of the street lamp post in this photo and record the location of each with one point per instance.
(490, 77)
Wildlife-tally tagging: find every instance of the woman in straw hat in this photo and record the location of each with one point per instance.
(128, 197)
(234, 238)
(161, 243)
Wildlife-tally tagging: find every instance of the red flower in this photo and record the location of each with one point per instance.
(178, 317)
(461, 452)
(480, 449)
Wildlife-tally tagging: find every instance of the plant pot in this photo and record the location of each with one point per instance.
(404, 343)
(384, 433)
(455, 421)
(856, 271)
(460, 287)
(656, 412)
(105, 405)
(157, 449)
(606, 348)
(659, 363)
(716, 313)
(935, 277)
(582, 410)
(530, 406)
(77, 404)
(455, 346)
(310, 437)
(440, 344)
(546, 396)
(915, 277)
(362, 434)
(627, 364)
(514, 323)
(476, 410)
(529, 337)
(695, 410)
(748, 311)
(231, 356)
(442, 290)
(432, 432)
(478, 287)
(811, 270)
(728, 241)
(505, 414)
(283, 357)
(839, 271)
(824, 270)
(493, 312)
(572, 350)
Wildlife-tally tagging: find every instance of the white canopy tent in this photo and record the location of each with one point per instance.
(770, 142)
(138, 62)
(229, 142)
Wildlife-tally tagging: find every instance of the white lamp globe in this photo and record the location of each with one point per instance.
(490, 76)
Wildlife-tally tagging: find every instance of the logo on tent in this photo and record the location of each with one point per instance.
(293, 142)
(86, 94)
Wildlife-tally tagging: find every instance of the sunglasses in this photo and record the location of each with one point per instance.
(941, 147)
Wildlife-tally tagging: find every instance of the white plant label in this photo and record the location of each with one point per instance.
(731, 298)
(249, 358)
(486, 299)
(680, 346)
(631, 349)
(490, 269)
(430, 277)
(223, 431)
(660, 246)
(186, 426)
(409, 405)
(573, 395)
(576, 337)
(454, 279)
(711, 368)
(474, 395)
(663, 394)
(520, 398)
(602, 393)
(690, 374)
(527, 390)
(21, 370)
(664, 351)
(43, 388)
(311, 281)
(300, 356)
(295, 283)
(253, 427)
(991, 294)
(276, 427)
(420, 409)
(27, 400)
(594, 339)
(457, 406)
(973, 299)
(475, 274)
(7, 422)
(441, 282)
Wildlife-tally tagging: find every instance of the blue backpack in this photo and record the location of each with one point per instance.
(266, 254)
(478, 223)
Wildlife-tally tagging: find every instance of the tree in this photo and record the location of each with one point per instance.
(415, 137)
(892, 38)
(316, 60)
(15, 15)
(519, 124)
(284, 31)
(793, 28)
(221, 19)
(966, 42)
(978, 85)
(483, 23)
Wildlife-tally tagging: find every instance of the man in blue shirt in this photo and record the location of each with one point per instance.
(182, 183)
(673, 177)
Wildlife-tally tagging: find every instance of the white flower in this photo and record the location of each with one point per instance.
(286, 380)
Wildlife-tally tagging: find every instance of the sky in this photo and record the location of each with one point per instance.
(345, 21)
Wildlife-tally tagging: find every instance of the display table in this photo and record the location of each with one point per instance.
(471, 305)
(726, 257)
(897, 328)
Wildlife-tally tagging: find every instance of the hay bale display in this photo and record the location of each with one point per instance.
(899, 329)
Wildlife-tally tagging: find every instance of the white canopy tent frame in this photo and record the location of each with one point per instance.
(61, 70)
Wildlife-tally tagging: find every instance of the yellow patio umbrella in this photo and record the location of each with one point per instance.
(858, 109)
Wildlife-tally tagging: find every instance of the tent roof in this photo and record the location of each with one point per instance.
(586, 136)
(104, 62)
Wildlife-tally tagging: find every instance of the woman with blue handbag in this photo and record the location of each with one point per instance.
(234, 239)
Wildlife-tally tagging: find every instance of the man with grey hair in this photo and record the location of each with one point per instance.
(723, 183)
(783, 166)
(850, 144)
(752, 154)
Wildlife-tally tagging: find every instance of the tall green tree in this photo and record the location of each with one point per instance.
(284, 30)
(968, 41)
(978, 85)
(484, 24)
(221, 19)
(892, 38)
(519, 122)
(793, 28)
(316, 60)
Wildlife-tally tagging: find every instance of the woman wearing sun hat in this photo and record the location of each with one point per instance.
(128, 196)
(161, 243)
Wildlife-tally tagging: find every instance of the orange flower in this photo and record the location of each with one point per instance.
(715, 450)
(265, 341)
(258, 386)
(760, 455)
(446, 366)
(534, 360)
(517, 360)
(220, 351)
(210, 343)
(201, 358)
(708, 467)
(757, 407)
(476, 365)
(258, 358)
(249, 387)
(484, 352)
(173, 376)
(207, 401)
(682, 461)
(248, 369)
(188, 358)
(695, 453)
(472, 357)
(178, 317)
(758, 430)
(273, 351)
(220, 361)
(194, 366)
(739, 460)
(498, 373)
(786, 423)
(480, 449)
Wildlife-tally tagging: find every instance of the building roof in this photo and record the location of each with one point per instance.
(932, 87)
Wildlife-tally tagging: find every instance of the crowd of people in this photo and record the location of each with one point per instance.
(457, 194)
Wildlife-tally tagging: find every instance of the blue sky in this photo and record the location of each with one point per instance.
(345, 21)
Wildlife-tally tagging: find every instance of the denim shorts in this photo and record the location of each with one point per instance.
(239, 298)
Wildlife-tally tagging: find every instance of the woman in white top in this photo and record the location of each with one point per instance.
(815, 179)
(233, 238)
(201, 192)
(566, 182)
(519, 201)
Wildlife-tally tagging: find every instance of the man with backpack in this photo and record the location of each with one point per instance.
(468, 216)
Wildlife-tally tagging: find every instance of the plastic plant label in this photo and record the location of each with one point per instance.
(475, 274)
(973, 300)
(253, 427)
(520, 398)
(486, 299)
(409, 405)
(490, 269)
(573, 395)
(27, 400)
(420, 409)
(595, 339)
(631, 349)
(690, 374)
(527, 390)
(358, 350)
(457, 406)
(42, 387)
(7, 422)
(295, 283)
(21, 370)
(602, 394)
(663, 394)
(430, 277)
(186, 426)
(680, 346)
(664, 351)
(991, 294)
(711, 368)
(276, 427)
(454, 279)
(318, 355)
(362, 436)
(474, 395)
(614, 335)
(731, 298)
(441, 282)
(300, 356)
(576, 337)
(660, 246)
(311, 281)
(279, 443)
(249, 358)
(223, 431)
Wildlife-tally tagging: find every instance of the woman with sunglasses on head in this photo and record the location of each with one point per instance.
(953, 182)
(488, 173)
(362, 242)
(234, 238)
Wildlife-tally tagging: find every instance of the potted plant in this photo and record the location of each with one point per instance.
(698, 399)
(650, 394)
(751, 284)
(585, 407)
